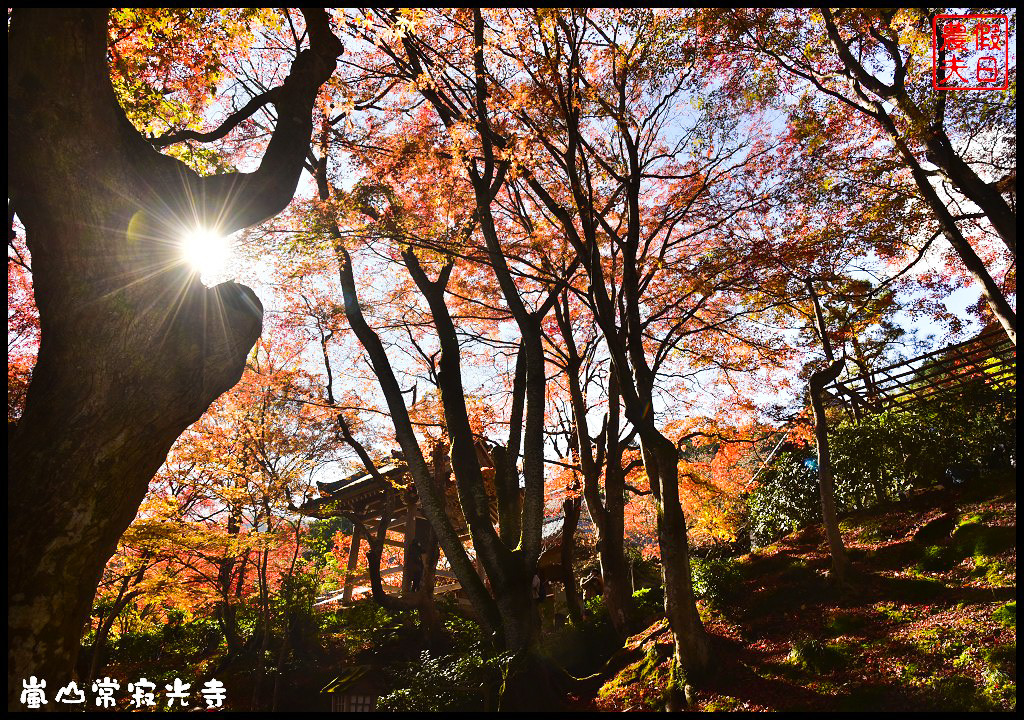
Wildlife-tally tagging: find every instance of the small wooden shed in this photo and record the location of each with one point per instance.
(356, 689)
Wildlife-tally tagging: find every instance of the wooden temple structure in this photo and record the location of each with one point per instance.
(367, 497)
(988, 359)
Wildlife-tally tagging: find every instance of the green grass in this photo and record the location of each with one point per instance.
(917, 630)
(894, 613)
(1000, 674)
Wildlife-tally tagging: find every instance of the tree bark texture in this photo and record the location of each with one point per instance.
(826, 484)
(133, 347)
(570, 520)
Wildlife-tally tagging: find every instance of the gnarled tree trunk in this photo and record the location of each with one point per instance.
(133, 348)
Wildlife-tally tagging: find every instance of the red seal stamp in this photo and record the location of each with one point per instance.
(971, 52)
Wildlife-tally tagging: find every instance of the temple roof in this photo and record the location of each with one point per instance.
(362, 486)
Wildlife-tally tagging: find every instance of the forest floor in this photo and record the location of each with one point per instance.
(928, 621)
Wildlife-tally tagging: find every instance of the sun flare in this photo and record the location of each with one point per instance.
(206, 252)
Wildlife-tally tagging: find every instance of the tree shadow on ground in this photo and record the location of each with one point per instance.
(737, 677)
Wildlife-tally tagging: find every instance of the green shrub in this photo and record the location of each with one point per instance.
(142, 647)
(646, 573)
(464, 682)
(583, 649)
(815, 655)
(174, 642)
(463, 633)
(785, 499)
(649, 602)
(882, 456)
(715, 581)
(1007, 614)
(367, 623)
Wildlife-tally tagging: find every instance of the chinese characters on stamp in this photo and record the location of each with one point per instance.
(970, 52)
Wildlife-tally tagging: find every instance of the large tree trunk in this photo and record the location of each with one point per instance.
(661, 461)
(618, 598)
(618, 587)
(510, 571)
(607, 512)
(608, 515)
(693, 648)
(133, 348)
(510, 559)
(430, 618)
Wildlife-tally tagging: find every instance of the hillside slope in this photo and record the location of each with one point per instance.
(929, 621)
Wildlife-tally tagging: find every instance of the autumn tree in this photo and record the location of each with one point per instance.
(876, 64)
(455, 257)
(214, 535)
(571, 117)
(642, 212)
(133, 347)
(601, 455)
(509, 555)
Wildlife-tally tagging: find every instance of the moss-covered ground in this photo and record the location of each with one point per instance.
(926, 622)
